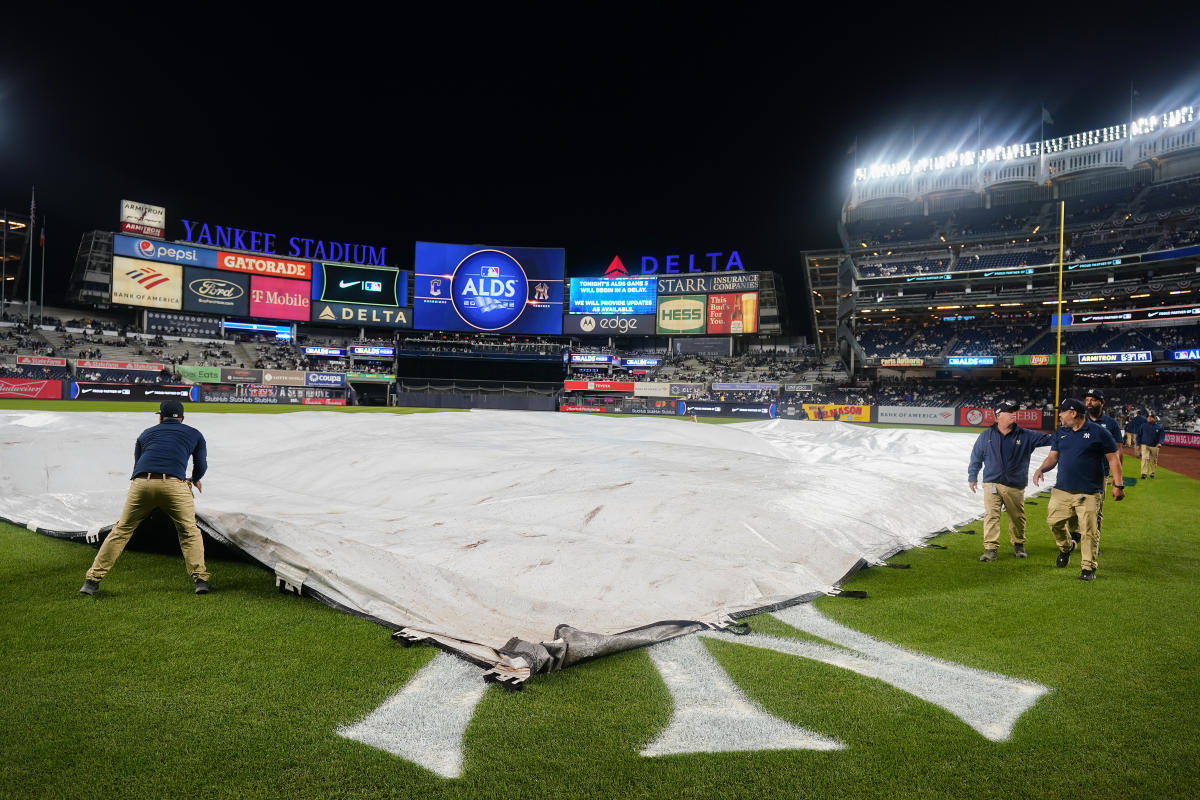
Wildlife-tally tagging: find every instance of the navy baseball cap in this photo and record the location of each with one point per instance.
(1007, 405)
(1071, 404)
(170, 408)
(1096, 393)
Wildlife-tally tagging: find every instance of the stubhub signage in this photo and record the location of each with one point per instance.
(166, 252)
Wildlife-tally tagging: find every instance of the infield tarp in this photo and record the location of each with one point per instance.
(479, 528)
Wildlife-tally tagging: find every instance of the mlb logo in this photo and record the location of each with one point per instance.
(489, 272)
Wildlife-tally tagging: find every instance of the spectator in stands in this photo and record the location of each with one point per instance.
(1150, 437)
(159, 481)
(1004, 450)
(1079, 449)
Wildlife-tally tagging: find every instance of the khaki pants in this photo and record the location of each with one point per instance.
(996, 495)
(146, 494)
(1084, 511)
(1149, 460)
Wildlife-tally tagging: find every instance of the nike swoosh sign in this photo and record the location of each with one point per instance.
(347, 284)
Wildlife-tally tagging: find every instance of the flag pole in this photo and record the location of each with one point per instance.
(42, 291)
(1062, 215)
(29, 264)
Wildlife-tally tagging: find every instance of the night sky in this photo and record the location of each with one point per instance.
(601, 130)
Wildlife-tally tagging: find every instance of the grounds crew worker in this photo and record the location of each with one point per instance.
(159, 481)
(1079, 448)
(1004, 450)
(1150, 438)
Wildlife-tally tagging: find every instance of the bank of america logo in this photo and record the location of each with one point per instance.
(147, 276)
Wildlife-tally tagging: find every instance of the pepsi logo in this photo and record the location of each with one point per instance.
(146, 248)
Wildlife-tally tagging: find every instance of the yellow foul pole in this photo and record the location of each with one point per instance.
(1062, 215)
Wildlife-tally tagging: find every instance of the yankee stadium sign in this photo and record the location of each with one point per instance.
(297, 246)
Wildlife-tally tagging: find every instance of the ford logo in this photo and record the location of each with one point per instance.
(216, 289)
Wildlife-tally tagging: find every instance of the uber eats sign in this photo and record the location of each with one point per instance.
(682, 314)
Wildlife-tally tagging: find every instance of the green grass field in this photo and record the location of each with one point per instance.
(149, 691)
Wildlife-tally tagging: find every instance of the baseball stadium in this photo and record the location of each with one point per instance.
(681, 524)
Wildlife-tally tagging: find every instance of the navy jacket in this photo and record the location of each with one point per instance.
(1152, 434)
(1005, 459)
(167, 447)
(1135, 425)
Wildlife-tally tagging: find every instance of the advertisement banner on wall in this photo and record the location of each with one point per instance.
(683, 314)
(1128, 357)
(1173, 438)
(608, 324)
(142, 218)
(29, 389)
(584, 409)
(733, 313)
(279, 298)
(238, 375)
(136, 366)
(199, 374)
(915, 415)
(267, 266)
(711, 283)
(1038, 360)
(360, 285)
(333, 380)
(702, 408)
(840, 412)
(88, 390)
(165, 252)
(367, 316)
(41, 361)
(651, 389)
(214, 292)
(150, 285)
(280, 377)
(982, 417)
(901, 361)
(599, 386)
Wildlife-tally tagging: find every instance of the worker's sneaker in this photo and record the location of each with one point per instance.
(1143, 476)
(1019, 550)
(988, 555)
(1087, 575)
(202, 587)
(1064, 556)
(1076, 537)
(89, 587)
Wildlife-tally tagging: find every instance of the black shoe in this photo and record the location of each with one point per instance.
(202, 587)
(1151, 477)
(1143, 476)
(1087, 575)
(89, 587)
(988, 555)
(1076, 538)
(1064, 556)
(1019, 550)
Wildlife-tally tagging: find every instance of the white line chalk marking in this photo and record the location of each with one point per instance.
(425, 721)
(712, 715)
(988, 702)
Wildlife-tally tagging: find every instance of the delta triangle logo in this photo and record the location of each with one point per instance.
(326, 313)
(616, 269)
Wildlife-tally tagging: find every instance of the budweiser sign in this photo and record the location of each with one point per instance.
(25, 389)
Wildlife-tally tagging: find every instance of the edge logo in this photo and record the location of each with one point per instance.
(489, 290)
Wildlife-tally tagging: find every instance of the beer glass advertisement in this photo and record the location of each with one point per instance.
(733, 313)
